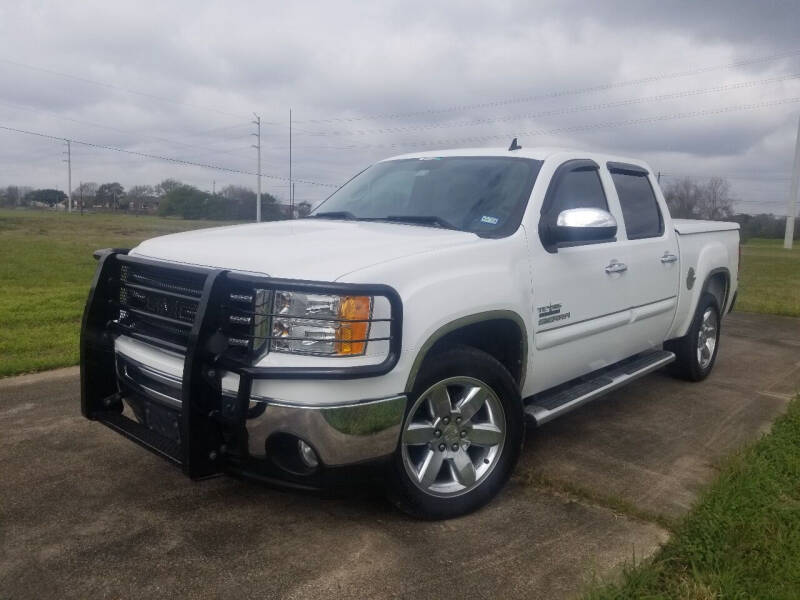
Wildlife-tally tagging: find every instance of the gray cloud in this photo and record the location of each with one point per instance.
(346, 67)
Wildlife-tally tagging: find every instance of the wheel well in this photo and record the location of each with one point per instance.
(501, 338)
(717, 285)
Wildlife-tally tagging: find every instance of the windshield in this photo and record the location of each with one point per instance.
(482, 194)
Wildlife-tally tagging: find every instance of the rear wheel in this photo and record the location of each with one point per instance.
(696, 352)
(461, 436)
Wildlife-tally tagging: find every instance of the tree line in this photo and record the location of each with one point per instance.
(170, 197)
(687, 198)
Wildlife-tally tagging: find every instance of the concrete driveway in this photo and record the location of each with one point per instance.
(85, 513)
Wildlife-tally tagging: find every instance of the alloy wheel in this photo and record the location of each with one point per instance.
(707, 338)
(453, 437)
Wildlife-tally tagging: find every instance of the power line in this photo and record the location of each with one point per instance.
(221, 128)
(120, 130)
(558, 94)
(48, 156)
(205, 149)
(761, 177)
(563, 111)
(115, 87)
(579, 128)
(758, 202)
(159, 157)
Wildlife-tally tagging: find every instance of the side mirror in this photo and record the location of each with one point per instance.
(583, 225)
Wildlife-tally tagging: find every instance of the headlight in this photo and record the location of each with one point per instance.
(322, 324)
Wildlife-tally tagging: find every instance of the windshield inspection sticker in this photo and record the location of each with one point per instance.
(551, 313)
(489, 220)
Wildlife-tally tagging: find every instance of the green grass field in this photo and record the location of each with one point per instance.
(770, 278)
(47, 267)
(742, 540)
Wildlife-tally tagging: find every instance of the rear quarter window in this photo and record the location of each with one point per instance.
(639, 205)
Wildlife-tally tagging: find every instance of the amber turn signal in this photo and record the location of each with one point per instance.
(354, 312)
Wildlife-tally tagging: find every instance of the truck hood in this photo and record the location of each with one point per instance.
(315, 249)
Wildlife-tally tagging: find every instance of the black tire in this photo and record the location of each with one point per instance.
(687, 364)
(461, 361)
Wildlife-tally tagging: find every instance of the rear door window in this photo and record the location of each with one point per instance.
(638, 203)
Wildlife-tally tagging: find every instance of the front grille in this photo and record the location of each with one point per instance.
(159, 304)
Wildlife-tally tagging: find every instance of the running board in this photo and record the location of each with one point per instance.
(546, 406)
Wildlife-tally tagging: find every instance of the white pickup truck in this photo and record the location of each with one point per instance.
(415, 322)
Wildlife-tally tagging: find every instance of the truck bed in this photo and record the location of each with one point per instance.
(704, 245)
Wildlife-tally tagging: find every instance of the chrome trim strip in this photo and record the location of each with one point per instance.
(165, 378)
(156, 395)
(709, 231)
(345, 404)
(158, 375)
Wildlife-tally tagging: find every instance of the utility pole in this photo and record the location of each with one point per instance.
(213, 187)
(658, 178)
(257, 146)
(81, 189)
(291, 185)
(791, 206)
(69, 176)
(291, 206)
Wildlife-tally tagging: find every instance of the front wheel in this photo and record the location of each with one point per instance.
(461, 436)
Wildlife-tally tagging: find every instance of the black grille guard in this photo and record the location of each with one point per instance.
(211, 424)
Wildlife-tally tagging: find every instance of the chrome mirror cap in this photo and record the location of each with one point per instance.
(586, 217)
(576, 226)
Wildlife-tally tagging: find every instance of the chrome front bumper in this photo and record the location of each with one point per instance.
(340, 434)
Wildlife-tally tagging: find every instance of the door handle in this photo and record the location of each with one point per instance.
(616, 267)
(669, 257)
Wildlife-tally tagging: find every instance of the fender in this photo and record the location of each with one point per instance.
(709, 262)
(695, 299)
(456, 324)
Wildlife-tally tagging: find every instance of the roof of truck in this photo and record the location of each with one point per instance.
(534, 152)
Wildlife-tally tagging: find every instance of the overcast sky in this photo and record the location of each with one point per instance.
(695, 88)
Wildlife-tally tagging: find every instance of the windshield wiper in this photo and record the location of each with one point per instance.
(423, 220)
(410, 219)
(333, 214)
